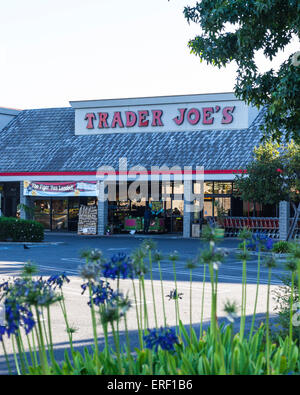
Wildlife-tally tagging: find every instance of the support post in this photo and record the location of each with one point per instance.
(102, 209)
(284, 219)
(187, 215)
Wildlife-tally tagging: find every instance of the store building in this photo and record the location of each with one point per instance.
(56, 160)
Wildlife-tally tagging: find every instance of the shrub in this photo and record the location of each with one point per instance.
(282, 247)
(20, 230)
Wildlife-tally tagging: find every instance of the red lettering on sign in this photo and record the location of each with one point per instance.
(193, 116)
(156, 118)
(117, 119)
(90, 118)
(143, 122)
(179, 120)
(227, 116)
(207, 112)
(103, 120)
(131, 119)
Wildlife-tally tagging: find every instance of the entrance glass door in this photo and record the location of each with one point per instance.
(60, 214)
(42, 212)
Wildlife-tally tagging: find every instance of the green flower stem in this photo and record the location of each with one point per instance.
(162, 293)
(202, 301)
(32, 353)
(22, 353)
(213, 306)
(50, 336)
(117, 345)
(45, 330)
(42, 350)
(191, 298)
(145, 304)
(291, 309)
(256, 294)
(15, 356)
(64, 311)
(141, 303)
(34, 348)
(177, 298)
(268, 322)
(118, 319)
(130, 359)
(6, 357)
(94, 324)
(244, 296)
(137, 315)
(152, 287)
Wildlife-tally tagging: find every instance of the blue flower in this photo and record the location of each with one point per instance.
(58, 280)
(269, 244)
(165, 338)
(17, 316)
(258, 241)
(119, 266)
(2, 332)
(101, 292)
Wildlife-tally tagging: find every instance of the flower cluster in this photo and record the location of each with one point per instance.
(101, 292)
(17, 316)
(214, 256)
(116, 307)
(259, 241)
(165, 338)
(119, 266)
(20, 294)
(174, 294)
(58, 280)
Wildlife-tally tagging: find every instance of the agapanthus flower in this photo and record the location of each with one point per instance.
(115, 308)
(2, 332)
(17, 316)
(58, 280)
(258, 241)
(119, 266)
(174, 294)
(231, 309)
(90, 271)
(165, 338)
(94, 255)
(101, 292)
(174, 256)
(140, 267)
(157, 256)
(149, 245)
(270, 262)
(191, 264)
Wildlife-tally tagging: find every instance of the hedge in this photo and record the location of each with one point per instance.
(16, 229)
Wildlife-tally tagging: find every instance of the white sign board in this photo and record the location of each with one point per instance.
(169, 114)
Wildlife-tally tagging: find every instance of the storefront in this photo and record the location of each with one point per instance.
(177, 155)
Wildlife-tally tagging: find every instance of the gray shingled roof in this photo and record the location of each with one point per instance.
(44, 140)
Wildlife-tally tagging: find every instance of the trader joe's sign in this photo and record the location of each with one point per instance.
(60, 189)
(167, 115)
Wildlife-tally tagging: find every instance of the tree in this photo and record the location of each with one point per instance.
(235, 30)
(273, 176)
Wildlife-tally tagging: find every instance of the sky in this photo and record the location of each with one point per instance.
(55, 51)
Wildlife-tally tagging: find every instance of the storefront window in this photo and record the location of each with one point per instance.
(208, 188)
(223, 188)
(73, 214)
(60, 214)
(42, 212)
(208, 207)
